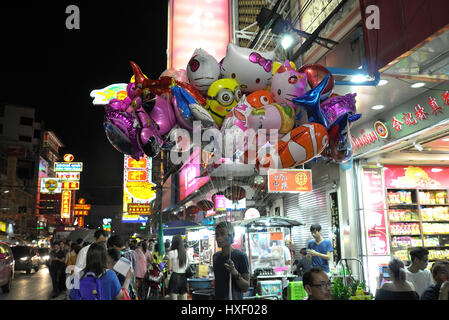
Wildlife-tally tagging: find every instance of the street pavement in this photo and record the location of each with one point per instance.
(33, 286)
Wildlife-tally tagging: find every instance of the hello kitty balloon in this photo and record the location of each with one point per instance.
(202, 70)
(250, 68)
(288, 84)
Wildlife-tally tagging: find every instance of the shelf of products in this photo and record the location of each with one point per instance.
(435, 214)
(399, 197)
(406, 215)
(400, 242)
(433, 197)
(411, 228)
(438, 254)
(419, 217)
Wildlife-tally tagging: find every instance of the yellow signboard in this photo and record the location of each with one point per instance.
(65, 204)
(2, 226)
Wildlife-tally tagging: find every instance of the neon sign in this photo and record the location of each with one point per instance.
(137, 188)
(198, 24)
(50, 185)
(65, 205)
(68, 166)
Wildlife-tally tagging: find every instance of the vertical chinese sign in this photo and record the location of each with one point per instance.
(66, 204)
(196, 24)
(137, 188)
(374, 211)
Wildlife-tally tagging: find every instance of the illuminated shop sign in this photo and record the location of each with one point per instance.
(426, 110)
(189, 180)
(68, 166)
(289, 180)
(79, 221)
(78, 212)
(65, 204)
(224, 204)
(43, 168)
(70, 185)
(81, 208)
(374, 215)
(107, 224)
(50, 185)
(137, 187)
(198, 24)
(68, 175)
(139, 209)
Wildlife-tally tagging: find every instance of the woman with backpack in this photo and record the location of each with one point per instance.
(177, 265)
(96, 281)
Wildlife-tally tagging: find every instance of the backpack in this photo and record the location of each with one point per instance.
(90, 288)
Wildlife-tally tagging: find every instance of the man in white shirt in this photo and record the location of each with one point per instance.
(417, 273)
(100, 236)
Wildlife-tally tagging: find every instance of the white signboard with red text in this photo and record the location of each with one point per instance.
(374, 212)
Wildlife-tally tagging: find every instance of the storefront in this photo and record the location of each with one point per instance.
(320, 204)
(401, 168)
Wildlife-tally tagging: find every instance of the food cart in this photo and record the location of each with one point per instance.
(264, 247)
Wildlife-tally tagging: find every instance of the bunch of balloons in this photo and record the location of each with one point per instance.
(246, 90)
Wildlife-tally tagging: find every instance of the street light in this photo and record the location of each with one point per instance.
(287, 40)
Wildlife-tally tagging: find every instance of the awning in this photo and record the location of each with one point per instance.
(172, 228)
(269, 222)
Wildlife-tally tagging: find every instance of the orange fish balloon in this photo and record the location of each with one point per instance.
(298, 146)
(260, 98)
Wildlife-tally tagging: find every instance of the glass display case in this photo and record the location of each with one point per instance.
(266, 250)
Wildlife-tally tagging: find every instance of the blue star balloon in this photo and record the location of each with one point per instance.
(311, 101)
(183, 99)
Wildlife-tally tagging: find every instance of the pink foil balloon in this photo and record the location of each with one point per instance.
(334, 108)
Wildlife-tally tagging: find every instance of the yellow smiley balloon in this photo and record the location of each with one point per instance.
(222, 96)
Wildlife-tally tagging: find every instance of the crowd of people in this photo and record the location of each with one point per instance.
(148, 268)
(73, 261)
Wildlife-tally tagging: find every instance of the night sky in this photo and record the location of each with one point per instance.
(46, 66)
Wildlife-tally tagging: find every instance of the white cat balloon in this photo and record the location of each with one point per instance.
(250, 68)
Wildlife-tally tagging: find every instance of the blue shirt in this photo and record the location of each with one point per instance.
(324, 247)
(111, 286)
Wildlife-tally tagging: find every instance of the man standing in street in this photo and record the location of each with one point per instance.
(231, 266)
(100, 236)
(319, 249)
(117, 242)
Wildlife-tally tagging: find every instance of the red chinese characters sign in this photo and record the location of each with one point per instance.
(289, 180)
(425, 177)
(374, 211)
(65, 203)
(408, 119)
(139, 209)
(420, 113)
